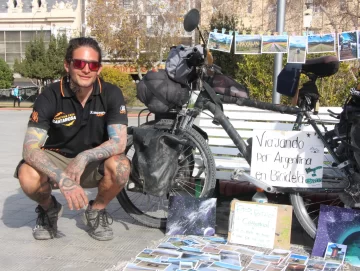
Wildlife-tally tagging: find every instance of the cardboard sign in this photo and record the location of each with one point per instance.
(287, 158)
(262, 225)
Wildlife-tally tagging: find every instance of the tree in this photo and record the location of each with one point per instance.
(256, 73)
(140, 35)
(122, 80)
(6, 75)
(227, 61)
(41, 62)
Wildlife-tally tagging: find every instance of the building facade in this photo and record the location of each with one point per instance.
(21, 20)
(328, 16)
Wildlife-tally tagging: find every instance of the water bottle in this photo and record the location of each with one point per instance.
(259, 196)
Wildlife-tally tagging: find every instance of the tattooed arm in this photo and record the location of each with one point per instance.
(114, 146)
(36, 158)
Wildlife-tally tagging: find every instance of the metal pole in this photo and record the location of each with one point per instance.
(280, 23)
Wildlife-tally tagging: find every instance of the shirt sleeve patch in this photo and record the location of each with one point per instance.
(122, 109)
(34, 116)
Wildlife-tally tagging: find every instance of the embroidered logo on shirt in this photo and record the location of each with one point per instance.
(122, 109)
(98, 113)
(34, 116)
(64, 119)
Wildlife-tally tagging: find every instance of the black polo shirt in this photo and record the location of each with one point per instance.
(71, 127)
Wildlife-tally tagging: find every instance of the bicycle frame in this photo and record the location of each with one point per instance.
(204, 102)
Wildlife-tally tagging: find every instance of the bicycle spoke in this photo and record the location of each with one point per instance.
(318, 202)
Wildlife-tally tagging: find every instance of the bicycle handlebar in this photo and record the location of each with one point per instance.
(262, 105)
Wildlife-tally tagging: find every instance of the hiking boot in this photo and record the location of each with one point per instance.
(98, 221)
(46, 223)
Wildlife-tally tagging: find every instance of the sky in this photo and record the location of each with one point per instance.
(321, 38)
(248, 38)
(297, 41)
(275, 38)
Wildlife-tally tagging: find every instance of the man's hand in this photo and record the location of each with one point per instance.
(76, 167)
(73, 193)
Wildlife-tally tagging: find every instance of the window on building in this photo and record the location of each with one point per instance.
(342, 5)
(249, 6)
(126, 3)
(13, 43)
(15, 3)
(317, 6)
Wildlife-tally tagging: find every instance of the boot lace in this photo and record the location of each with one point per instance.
(103, 218)
(43, 219)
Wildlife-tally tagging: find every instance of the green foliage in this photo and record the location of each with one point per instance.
(256, 73)
(122, 80)
(6, 75)
(335, 89)
(227, 61)
(43, 63)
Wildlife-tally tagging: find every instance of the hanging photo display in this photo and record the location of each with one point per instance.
(358, 44)
(220, 42)
(321, 43)
(348, 45)
(247, 44)
(274, 44)
(297, 49)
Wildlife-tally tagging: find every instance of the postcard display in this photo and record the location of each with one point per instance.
(295, 46)
(210, 253)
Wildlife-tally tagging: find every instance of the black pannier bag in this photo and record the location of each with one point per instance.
(288, 79)
(225, 85)
(155, 161)
(159, 93)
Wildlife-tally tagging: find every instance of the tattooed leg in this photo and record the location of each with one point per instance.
(117, 171)
(35, 185)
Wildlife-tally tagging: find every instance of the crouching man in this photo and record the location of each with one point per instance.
(76, 138)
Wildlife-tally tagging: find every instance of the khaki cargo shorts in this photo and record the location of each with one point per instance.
(90, 178)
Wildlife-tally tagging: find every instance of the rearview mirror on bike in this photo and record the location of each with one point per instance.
(191, 20)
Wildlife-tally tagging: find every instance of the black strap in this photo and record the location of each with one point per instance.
(213, 95)
(353, 148)
(156, 94)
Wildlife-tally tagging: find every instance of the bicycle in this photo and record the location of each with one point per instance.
(196, 174)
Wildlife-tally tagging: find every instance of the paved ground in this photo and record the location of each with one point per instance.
(73, 249)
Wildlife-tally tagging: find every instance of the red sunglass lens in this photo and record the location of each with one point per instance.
(94, 66)
(80, 64)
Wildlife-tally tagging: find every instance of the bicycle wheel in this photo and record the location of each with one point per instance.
(307, 208)
(195, 177)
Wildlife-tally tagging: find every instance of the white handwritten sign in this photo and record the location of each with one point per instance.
(253, 224)
(287, 158)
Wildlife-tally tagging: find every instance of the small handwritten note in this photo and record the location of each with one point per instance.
(287, 158)
(254, 224)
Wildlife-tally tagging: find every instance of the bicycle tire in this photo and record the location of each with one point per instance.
(209, 184)
(302, 214)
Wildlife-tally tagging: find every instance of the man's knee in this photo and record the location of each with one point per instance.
(28, 176)
(118, 168)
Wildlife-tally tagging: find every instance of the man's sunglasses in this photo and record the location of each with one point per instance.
(79, 64)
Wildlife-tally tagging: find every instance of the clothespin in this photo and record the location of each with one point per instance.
(215, 30)
(231, 32)
(223, 30)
